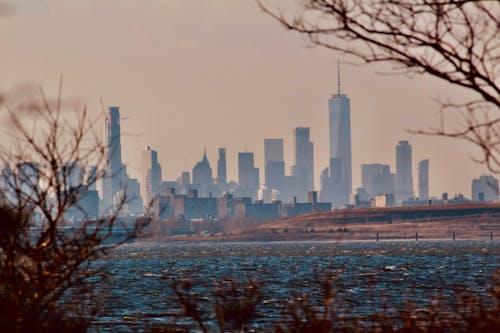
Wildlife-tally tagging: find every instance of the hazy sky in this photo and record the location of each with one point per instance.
(220, 73)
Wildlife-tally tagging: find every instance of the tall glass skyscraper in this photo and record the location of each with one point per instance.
(248, 175)
(404, 175)
(274, 164)
(304, 162)
(150, 176)
(423, 179)
(221, 169)
(113, 180)
(340, 146)
(377, 179)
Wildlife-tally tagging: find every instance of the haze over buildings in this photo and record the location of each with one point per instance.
(255, 80)
(207, 194)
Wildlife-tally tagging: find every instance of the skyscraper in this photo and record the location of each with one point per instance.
(423, 180)
(91, 178)
(274, 165)
(71, 175)
(150, 176)
(485, 188)
(340, 145)
(221, 169)
(202, 176)
(248, 175)
(26, 182)
(134, 203)
(304, 162)
(113, 179)
(404, 178)
(377, 179)
(184, 182)
(273, 150)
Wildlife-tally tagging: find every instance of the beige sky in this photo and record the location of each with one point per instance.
(220, 73)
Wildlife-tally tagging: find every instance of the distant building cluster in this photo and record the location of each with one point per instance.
(199, 194)
(193, 207)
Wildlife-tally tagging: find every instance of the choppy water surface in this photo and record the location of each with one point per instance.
(368, 274)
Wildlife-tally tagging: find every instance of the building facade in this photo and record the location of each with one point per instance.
(377, 179)
(248, 176)
(150, 176)
(202, 176)
(485, 189)
(404, 178)
(113, 180)
(274, 164)
(303, 169)
(222, 169)
(423, 180)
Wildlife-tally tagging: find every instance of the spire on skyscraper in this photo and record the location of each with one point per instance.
(205, 159)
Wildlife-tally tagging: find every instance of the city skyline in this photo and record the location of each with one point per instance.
(249, 85)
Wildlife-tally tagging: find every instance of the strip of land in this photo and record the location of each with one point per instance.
(467, 221)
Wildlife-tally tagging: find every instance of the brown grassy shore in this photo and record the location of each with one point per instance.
(467, 221)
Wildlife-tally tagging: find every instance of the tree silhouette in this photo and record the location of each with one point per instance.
(457, 41)
(48, 271)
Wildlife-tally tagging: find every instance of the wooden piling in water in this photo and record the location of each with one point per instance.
(416, 236)
(377, 236)
(453, 235)
(491, 235)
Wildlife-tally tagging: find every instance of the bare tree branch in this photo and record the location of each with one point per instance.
(47, 262)
(456, 41)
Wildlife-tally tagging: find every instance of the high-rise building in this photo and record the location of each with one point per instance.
(377, 179)
(221, 168)
(113, 179)
(133, 204)
(6, 184)
(150, 176)
(340, 145)
(333, 188)
(185, 179)
(27, 178)
(202, 176)
(423, 180)
(273, 150)
(304, 163)
(274, 164)
(485, 188)
(404, 178)
(184, 183)
(248, 175)
(91, 177)
(71, 175)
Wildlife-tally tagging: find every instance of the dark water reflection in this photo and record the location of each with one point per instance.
(369, 275)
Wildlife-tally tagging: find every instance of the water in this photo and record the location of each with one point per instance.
(368, 275)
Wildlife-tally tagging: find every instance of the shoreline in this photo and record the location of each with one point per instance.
(477, 228)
